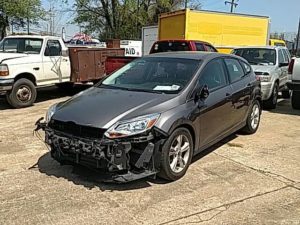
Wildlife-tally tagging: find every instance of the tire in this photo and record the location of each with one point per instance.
(271, 103)
(169, 157)
(23, 94)
(253, 118)
(285, 94)
(296, 99)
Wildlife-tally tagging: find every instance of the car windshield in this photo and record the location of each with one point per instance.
(257, 56)
(159, 75)
(21, 45)
(167, 46)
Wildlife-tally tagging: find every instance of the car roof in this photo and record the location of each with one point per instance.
(203, 56)
(181, 40)
(32, 36)
(263, 47)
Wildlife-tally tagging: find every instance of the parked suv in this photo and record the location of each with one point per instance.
(151, 116)
(270, 64)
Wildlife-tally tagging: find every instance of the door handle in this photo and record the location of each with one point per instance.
(65, 60)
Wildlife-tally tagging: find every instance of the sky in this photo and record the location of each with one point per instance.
(284, 15)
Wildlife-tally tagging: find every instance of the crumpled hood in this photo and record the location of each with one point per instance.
(6, 56)
(263, 69)
(99, 107)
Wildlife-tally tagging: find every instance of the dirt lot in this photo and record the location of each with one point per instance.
(243, 180)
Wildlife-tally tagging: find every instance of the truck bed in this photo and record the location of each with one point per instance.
(88, 64)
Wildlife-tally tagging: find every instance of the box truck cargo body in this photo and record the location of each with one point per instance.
(149, 37)
(223, 30)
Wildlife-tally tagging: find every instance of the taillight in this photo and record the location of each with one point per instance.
(291, 66)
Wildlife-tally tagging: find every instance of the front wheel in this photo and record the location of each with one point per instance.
(176, 155)
(23, 94)
(271, 103)
(253, 118)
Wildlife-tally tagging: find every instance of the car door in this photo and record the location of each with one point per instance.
(241, 89)
(56, 67)
(282, 70)
(216, 110)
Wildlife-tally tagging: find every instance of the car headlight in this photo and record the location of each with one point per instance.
(50, 112)
(132, 127)
(4, 70)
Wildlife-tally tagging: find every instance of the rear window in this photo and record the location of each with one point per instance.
(167, 46)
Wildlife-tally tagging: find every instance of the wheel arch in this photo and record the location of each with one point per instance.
(26, 75)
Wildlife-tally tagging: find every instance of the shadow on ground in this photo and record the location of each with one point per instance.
(284, 107)
(49, 93)
(89, 178)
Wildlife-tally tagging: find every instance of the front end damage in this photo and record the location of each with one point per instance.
(122, 160)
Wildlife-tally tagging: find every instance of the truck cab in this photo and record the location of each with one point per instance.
(181, 45)
(28, 62)
(270, 64)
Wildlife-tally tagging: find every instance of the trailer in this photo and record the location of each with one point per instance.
(223, 30)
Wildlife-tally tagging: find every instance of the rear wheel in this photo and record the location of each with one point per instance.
(272, 101)
(176, 155)
(296, 99)
(253, 118)
(23, 94)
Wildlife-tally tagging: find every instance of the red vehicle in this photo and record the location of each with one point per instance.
(181, 45)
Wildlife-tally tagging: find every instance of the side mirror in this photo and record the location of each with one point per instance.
(283, 64)
(202, 93)
(65, 53)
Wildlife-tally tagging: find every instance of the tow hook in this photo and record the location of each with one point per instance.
(39, 125)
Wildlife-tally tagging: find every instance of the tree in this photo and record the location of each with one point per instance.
(122, 18)
(19, 13)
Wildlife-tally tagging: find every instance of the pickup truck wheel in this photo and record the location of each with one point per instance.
(176, 155)
(23, 94)
(285, 94)
(253, 118)
(296, 100)
(271, 103)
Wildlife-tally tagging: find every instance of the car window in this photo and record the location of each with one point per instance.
(213, 75)
(162, 74)
(21, 45)
(235, 69)
(199, 47)
(210, 48)
(246, 67)
(170, 46)
(280, 57)
(53, 48)
(286, 55)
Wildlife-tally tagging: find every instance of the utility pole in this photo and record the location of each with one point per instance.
(232, 4)
(297, 39)
(185, 4)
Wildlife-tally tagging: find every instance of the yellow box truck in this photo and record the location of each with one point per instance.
(224, 30)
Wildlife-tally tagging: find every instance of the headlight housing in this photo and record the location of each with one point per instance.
(132, 127)
(50, 112)
(4, 70)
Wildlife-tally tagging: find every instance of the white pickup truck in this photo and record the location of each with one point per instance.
(294, 82)
(27, 62)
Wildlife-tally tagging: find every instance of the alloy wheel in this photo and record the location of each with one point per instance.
(255, 116)
(179, 153)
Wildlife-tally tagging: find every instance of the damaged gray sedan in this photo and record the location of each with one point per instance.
(150, 117)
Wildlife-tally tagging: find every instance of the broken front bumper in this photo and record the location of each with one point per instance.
(123, 159)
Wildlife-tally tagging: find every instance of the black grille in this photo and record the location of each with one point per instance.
(77, 130)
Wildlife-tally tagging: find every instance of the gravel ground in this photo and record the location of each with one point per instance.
(242, 180)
